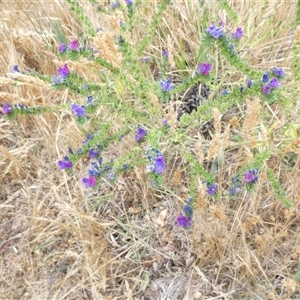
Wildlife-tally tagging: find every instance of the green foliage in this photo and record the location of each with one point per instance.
(155, 22)
(297, 17)
(196, 170)
(59, 33)
(75, 7)
(279, 193)
(122, 99)
(229, 10)
(297, 275)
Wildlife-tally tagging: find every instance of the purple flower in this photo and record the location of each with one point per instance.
(74, 45)
(153, 183)
(63, 71)
(149, 168)
(89, 99)
(145, 59)
(166, 85)
(266, 90)
(58, 79)
(88, 137)
(65, 164)
(250, 176)
(238, 33)
(93, 153)
(221, 23)
(278, 72)
(225, 92)
(204, 68)
(265, 77)
(6, 108)
(234, 190)
(21, 106)
(61, 48)
(165, 54)
(111, 175)
(95, 170)
(89, 181)
(274, 83)
(249, 82)
(114, 5)
(212, 189)
(78, 110)
(129, 2)
(183, 221)
(188, 210)
(215, 32)
(141, 133)
(159, 165)
(16, 69)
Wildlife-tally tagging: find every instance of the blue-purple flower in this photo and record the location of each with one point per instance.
(165, 54)
(65, 164)
(249, 82)
(58, 79)
(74, 45)
(129, 2)
(250, 176)
(212, 189)
(87, 139)
(61, 48)
(89, 99)
(265, 77)
(215, 32)
(141, 133)
(236, 186)
(183, 221)
(225, 92)
(145, 59)
(78, 110)
(166, 85)
(238, 33)
(274, 83)
(111, 175)
(232, 190)
(114, 5)
(159, 165)
(278, 72)
(63, 71)
(6, 108)
(156, 161)
(96, 169)
(265, 89)
(93, 153)
(204, 68)
(90, 181)
(16, 69)
(188, 209)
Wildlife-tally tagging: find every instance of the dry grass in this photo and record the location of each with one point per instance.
(61, 241)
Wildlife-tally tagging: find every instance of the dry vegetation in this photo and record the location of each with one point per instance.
(59, 240)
